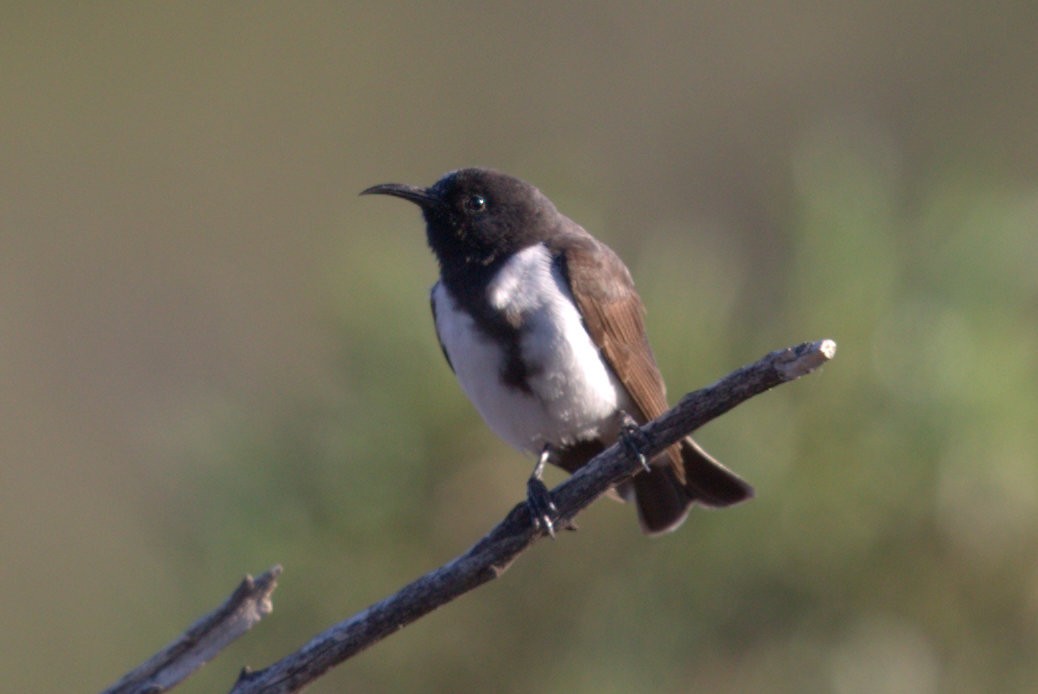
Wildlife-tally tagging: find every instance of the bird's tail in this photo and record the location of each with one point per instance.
(664, 498)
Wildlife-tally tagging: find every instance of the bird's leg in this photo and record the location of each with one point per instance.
(634, 439)
(538, 498)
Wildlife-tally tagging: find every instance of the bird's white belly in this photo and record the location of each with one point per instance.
(572, 394)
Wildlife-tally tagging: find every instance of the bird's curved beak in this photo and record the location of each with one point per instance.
(419, 196)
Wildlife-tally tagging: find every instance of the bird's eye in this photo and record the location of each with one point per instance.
(475, 204)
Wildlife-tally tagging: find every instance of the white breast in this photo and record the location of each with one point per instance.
(573, 394)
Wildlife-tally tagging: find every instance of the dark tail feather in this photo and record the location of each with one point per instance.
(707, 481)
(663, 502)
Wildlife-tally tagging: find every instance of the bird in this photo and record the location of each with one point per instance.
(544, 330)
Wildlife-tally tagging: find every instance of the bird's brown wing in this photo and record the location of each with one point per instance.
(614, 316)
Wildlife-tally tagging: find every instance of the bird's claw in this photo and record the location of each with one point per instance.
(634, 440)
(542, 508)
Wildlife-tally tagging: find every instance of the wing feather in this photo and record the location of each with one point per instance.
(614, 316)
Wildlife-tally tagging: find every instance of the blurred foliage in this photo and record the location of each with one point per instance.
(897, 489)
(213, 361)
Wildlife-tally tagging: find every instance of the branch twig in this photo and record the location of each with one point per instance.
(492, 555)
(246, 606)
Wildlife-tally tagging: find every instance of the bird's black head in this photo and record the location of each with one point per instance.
(478, 217)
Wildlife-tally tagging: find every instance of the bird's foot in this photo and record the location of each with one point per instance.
(634, 440)
(538, 498)
(542, 508)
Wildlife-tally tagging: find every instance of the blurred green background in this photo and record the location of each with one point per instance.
(214, 356)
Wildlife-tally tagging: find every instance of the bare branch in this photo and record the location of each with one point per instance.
(246, 606)
(492, 555)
